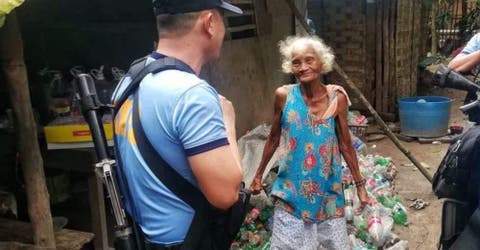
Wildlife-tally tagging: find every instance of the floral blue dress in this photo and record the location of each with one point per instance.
(309, 182)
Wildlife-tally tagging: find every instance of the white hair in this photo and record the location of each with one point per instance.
(298, 44)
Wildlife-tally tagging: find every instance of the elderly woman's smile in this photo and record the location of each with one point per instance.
(306, 65)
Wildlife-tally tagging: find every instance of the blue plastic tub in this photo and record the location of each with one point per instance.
(424, 116)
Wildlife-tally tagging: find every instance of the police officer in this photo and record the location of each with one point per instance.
(187, 122)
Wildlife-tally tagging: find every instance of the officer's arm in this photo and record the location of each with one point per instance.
(206, 127)
(218, 174)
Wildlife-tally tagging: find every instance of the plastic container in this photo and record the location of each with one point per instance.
(424, 116)
(348, 203)
(359, 146)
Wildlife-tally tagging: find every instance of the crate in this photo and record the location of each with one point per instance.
(359, 131)
(73, 133)
(74, 129)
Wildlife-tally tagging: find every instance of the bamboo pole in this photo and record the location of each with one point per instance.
(433, 27)
(365, 102)
(13, 67)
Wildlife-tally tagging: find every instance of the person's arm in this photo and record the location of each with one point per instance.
(273, 139)
(465, 62)
(219, 171)
(206, 128)
(469, 58)
(218, 175)
(229, 120)
(346, 148)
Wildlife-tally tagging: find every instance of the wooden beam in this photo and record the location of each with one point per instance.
(13, 67)
(242, 28)
(392, 90)
(19, 231)
(433, 27)
(370, 65)
(97, 210)
(386, 54)
(379, 57)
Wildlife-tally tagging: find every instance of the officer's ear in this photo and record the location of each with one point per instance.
(211, 21)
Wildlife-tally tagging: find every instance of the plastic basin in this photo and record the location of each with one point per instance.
(424, 116)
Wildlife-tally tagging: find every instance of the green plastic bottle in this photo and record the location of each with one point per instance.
(400, 214)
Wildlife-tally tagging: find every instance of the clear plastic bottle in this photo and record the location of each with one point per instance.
(348, 193)
(359, 145)
(375, 228)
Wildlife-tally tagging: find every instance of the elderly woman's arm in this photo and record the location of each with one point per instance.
(346, 147)
(273, 139)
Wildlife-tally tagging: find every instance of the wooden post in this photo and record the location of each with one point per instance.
(386, 55)
(365, 102)
(433, 27)
(379, 56)
(370, 65)
(97, 210)
(13, 67)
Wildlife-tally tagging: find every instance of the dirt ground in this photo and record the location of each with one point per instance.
(424, 228)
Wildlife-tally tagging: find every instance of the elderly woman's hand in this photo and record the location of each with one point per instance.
(363, 197)
(257, 186)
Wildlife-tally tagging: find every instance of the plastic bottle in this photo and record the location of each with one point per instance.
(382, 161)
(348, 203)
(400, 214)
(266, 213)
(375, 228)
(75, 109)
(356, 243)
(359, 145)
(252, 216)
(401, 245)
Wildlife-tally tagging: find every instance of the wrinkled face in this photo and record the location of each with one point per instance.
(306, 66)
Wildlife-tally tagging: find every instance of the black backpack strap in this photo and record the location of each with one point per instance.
(139, 70)
(164, 172)
(173, 181)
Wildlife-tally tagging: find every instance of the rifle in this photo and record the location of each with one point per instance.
(126, 234)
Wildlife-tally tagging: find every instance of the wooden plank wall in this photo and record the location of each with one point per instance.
(409, 42)
(385, 44)
(342, 27)
(378, 43)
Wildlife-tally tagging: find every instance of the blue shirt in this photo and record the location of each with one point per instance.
(472, 45)
(182, 117)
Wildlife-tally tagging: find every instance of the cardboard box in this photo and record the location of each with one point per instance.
(64, 133)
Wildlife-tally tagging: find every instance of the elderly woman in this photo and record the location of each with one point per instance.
(310, 128)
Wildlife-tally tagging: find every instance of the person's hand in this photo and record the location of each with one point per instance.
(257, 186)
(228, 114)
(363, 197)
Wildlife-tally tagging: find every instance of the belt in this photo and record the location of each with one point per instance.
(154, 246)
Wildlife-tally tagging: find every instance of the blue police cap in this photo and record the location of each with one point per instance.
(185, 6)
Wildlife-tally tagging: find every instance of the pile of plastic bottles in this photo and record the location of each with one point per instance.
(372, 228)
(355, 118)
(368, 229)
(255, 231)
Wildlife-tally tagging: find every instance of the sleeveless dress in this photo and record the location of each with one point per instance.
(309, 182)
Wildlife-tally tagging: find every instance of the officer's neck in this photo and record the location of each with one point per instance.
(184, 50)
